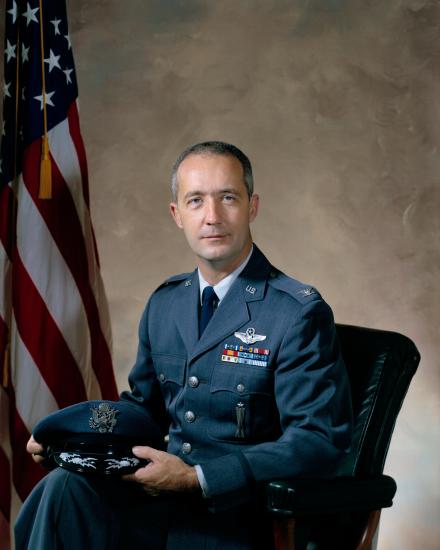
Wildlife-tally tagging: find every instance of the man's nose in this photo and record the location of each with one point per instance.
(212, 212)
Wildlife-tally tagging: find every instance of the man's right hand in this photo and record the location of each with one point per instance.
(36, 450)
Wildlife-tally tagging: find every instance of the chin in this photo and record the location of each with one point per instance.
(215, 253)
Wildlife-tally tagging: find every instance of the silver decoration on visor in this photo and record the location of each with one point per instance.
(125, 462)
(75, 458)
(103, 418)
(249, 337)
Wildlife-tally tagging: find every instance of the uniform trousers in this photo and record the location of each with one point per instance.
(72, 511)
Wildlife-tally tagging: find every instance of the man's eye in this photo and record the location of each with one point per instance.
(229, 198)
(194, 201)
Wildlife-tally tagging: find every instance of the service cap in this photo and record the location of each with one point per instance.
(97, 436)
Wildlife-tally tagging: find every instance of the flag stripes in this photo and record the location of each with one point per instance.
(5, 469)
(28, 378)
(53, 310)
(57, 298)
(25, 473)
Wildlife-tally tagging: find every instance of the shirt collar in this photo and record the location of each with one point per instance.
(225, 284)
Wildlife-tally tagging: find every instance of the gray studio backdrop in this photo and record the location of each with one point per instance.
(337, 104)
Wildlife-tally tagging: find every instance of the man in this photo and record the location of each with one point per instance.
(239, 365)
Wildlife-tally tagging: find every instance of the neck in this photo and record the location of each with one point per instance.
(215, 271)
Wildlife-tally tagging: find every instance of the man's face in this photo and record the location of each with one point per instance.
(214, 210)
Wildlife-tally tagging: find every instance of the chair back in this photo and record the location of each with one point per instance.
(380, 367)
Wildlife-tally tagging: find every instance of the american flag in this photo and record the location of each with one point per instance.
(54, 326)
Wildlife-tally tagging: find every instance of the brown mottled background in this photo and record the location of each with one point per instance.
(337, 104)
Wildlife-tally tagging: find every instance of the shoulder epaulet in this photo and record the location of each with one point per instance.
(174, 280)
(301, 292)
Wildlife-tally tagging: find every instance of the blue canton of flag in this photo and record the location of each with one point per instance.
(23, 77)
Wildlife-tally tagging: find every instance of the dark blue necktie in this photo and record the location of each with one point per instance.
(209, 302)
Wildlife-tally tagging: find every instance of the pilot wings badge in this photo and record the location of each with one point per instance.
(249, 337)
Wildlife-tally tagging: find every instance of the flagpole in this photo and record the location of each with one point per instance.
(13, 221)
(45, 190)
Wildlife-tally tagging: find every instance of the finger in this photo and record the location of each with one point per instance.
(38, 458)
(138, 476)
(33, 447)
(147, 452)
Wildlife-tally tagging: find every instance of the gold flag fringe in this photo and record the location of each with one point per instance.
(45, 190)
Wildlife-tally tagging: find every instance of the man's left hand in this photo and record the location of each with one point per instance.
(165, 472)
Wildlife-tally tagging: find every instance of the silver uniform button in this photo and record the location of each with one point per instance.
(240, 388)
(189, 416)
(193, 381)
(186, 448)
(161, 377)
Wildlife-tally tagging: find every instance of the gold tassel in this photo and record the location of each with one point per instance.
(45, 191)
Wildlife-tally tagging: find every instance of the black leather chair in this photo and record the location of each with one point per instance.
(343, 513)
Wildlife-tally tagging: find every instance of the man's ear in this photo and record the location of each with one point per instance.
(254, 203)
(174, 210)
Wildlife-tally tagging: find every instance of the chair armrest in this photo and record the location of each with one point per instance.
(307, 497)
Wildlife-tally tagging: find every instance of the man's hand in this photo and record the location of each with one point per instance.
(165, 473)
(36, 450)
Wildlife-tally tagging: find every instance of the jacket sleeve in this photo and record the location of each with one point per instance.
(145, 390)
(313, 400)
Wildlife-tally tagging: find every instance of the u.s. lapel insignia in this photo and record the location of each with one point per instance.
(188, 282)
(249, 337)
(251, 289)
(103, 418)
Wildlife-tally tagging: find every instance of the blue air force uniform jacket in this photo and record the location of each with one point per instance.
(280, 411)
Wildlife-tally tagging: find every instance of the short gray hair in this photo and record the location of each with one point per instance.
(214, 148)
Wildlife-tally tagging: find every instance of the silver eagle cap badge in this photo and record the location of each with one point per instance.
(103, 418)
(249, 337)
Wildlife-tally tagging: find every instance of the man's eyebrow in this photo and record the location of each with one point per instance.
(193, 194)
(228, 190)
(197, 193)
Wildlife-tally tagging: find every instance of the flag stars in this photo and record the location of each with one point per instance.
(48, 99)
(67, 74)
(56, 24)
(69, 45)
(52, 61)
(23, 97)
(13, 11)
(24, 53)
(10, 50)
(6, 89)
(30, 15)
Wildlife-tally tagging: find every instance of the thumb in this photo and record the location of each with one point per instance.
(146, 452)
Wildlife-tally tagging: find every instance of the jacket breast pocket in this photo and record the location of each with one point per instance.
(242, 404)
(170, 372)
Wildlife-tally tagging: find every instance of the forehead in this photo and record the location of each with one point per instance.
(209, 170)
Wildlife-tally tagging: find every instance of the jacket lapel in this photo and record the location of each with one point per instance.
(233, 312)
(185, 311)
